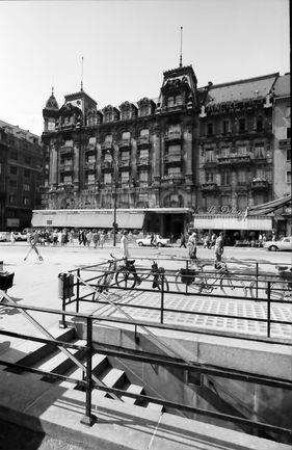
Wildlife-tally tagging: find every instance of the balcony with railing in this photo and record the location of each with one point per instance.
(173, 136)
(125, 143)
(259, 184)
(125, 162)
(143, 141)
(107, 166)
(90, 165)
(175, 158)
(143, 161)
(66, 149)
(66, 167)
(234, 159)
(175, 178)
(209, 186)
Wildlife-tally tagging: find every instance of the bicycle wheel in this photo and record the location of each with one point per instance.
(126, 279)
(235, 286)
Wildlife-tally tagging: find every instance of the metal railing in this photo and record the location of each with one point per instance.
(250, 285)
(278, 433)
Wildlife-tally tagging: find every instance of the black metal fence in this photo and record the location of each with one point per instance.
(280, 434)
(250, 284)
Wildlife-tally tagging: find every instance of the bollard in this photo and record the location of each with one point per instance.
(66, 290)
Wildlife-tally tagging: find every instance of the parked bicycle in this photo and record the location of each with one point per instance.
(127, 276)
(199, 280)
(280, 289)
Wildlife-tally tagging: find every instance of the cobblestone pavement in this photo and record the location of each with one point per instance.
(36, 283)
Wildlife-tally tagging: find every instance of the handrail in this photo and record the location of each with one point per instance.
(92, 382)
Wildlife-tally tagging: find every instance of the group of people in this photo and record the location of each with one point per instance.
(191, 243)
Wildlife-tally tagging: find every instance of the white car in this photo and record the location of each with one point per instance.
(283, 244)
(4, 236)
(158, 241)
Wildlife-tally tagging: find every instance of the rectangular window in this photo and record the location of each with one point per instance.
(242, 125)
(241, 176)
(26, 173)
(27, 160)
(125, 176)
(91, 158)
(144, 132)
(143, 175)
(90, 178)
(224, 151)
(209, 177)
(13, 170)
(225, 128)
(67, 179)
(288, 133)
(14, 155)
(174, 171)
(242, 150)
(144, 153)
(209, 155)
(69, 143)
(210, 129)
(107, 178)
(289, 177)
(174, 150)
(289, 154)
(259, 124)
(259, 150)
(13, 183)
(11, 199)
(25, 201)
(125, 156)
(225, 179)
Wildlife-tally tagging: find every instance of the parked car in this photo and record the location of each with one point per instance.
(20, 237)
(158, 241)
(4, 236)
(283, 244)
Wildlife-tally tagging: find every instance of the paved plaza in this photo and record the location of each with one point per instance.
(36, 284)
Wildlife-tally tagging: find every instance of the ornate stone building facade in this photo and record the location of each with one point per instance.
(206, 149)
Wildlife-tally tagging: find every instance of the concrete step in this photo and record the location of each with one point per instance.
(115, 378)
(155, 407)
(60, 363)
(133, 389)
(99, 364)
(36, 351)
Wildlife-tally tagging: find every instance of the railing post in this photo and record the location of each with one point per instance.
(269, 309)
(187, 269)
(162, 295)
(88, 419)
(78, 290)
(257, 280)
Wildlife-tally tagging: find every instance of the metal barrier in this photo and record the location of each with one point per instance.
(253, 284)
(280, 434)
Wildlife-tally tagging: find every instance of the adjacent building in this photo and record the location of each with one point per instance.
(21, 170)
(203, 150)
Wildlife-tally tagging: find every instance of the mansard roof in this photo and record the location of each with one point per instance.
(242, 90)
(282, 86)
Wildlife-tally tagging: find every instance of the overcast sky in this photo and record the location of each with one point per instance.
(127, 45)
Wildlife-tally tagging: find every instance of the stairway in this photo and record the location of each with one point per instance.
(56, 362)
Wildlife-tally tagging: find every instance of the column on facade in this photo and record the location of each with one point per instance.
(76, 159)
(188, 154)
(156, 157)
(53, 164)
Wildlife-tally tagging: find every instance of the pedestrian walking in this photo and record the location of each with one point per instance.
(95, 238)
(33, 240)
(218, 250)
(192, 246)
(125, 245)
(183, 240)
(102, 239)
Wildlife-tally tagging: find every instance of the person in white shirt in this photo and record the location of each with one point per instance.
(125, 245)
